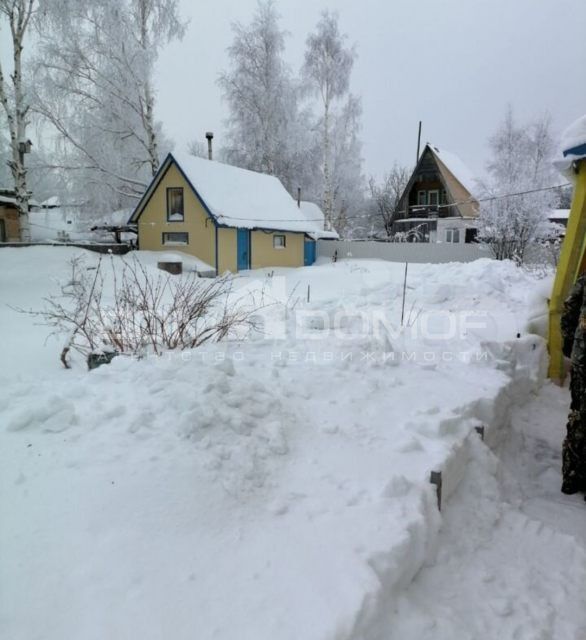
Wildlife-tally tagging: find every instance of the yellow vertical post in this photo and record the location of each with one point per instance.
(572, 256)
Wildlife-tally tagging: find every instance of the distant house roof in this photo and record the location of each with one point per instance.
(559, 214)
(12, 201)
(7, 200)
(457, 180)
(235, 197)
(457, 168)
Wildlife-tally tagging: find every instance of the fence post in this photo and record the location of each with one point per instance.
(436, 479)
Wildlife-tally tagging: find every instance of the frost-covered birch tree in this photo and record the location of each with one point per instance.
(346, 179)
(94, 74)
(264, 128)
(17, 15)
(520, 163)
(326, 71)
(384, 196)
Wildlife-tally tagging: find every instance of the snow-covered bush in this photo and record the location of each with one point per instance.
(135, 312)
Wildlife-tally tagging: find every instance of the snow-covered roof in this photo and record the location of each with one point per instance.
(572, 147)
(574, 136)
(315, 216)
(457, 168)
(51, 203)
(242, 198)
(7, 200)
(559, 214)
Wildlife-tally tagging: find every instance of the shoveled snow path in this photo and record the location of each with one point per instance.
(533, 459)
(512, 551)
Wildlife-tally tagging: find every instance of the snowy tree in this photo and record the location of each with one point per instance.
(262, 99)
(326, 70)
(15, 103)
(197, 148)
(520, 164)
(385, 196)
(347, 181)
(94, 77)
(6, 178)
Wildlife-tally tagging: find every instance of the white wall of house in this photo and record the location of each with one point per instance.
(453, 230)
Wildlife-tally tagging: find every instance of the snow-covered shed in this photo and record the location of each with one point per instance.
(230, 218)
(438, 203)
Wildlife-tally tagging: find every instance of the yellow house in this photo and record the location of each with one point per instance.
(230, 218)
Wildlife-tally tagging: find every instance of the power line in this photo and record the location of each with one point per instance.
(360, 217)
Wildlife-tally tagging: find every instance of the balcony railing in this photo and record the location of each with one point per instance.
(430, 211)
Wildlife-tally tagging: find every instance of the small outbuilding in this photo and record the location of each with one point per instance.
(230, 218)
(9, 219)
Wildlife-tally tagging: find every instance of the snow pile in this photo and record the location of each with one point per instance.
(511, 560)
(273, 488)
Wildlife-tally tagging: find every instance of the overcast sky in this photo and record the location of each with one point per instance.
(454, 64)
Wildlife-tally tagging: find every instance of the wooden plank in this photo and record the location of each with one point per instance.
(572, 257)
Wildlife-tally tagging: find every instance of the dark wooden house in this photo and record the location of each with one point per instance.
(438, 204)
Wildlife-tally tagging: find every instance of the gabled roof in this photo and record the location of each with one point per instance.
(235, 197)
(456, 167)
(456, 178)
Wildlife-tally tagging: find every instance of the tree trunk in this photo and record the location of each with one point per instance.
(327, 197)
(18, 15)
(149, 126)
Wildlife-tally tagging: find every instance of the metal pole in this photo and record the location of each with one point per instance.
(209, 137)
(404, 292)
(418, 143)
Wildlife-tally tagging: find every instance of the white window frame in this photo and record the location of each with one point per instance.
(453, 235)
(437, 197)
(175, 216)
(175, 243)
(276, 244)
(423, 193)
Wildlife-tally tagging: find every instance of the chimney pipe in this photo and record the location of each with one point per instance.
(210, 137)
(299, 197)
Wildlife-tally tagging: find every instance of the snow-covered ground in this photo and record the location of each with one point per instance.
(278, 487)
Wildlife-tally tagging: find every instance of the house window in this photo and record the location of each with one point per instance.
(279, 242)
(175, 204)
(452, 235)
(433, 198)
(422, 197)
(444, 197)
(175, 238)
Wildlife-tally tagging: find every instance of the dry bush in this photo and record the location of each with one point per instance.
(143, 313)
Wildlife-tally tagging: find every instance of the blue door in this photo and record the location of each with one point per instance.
(309, 253)
(243, 249)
